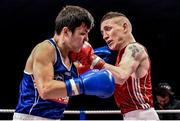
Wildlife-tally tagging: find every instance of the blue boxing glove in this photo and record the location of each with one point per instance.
(94, 82)
(109, 56)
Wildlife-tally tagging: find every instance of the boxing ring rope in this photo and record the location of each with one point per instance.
(94, 111)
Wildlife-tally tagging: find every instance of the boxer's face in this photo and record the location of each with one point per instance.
(78, 37)
(112, 33)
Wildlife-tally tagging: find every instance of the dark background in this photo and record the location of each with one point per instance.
(24, 23)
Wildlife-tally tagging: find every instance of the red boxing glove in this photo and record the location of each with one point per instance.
(82, 68)
(87, 57)
(84, 55)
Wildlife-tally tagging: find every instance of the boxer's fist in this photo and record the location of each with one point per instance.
(82, 68)
(109, 56)
(94, 82)
(87, 57)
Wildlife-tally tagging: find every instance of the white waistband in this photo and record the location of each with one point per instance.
(21, 116)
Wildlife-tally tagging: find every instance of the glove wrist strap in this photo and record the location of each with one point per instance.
(97, 63)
